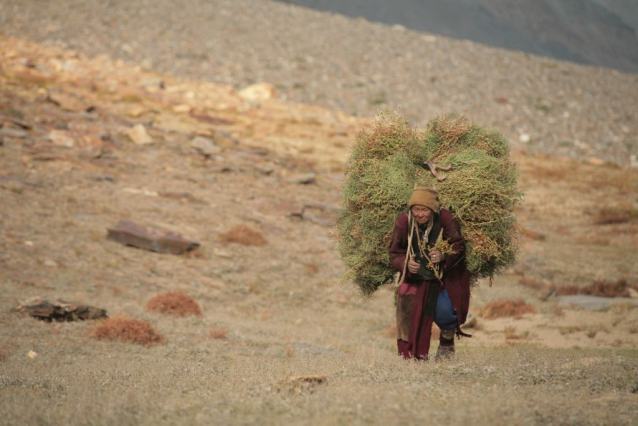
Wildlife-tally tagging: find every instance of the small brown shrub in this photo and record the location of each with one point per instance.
(507, 308)
(310, 269)
(242, 234)
(218, 333)
(126, 330)
(174, 303)
(532, 235)
(614, 215)
(619, 288)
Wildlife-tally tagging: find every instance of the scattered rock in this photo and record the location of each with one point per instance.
(90, 146)
(182, 108)
(594, 303)
(258, 92)
(265, 170)
(303, 178)
(139, 135)
(102, 177)
(68, 102)
(181, 196)
(205, 146)
(62, 138)
(136, 111)
(13, 133)
(32, 354)
(61, 311)
(524, 137)
(153, 84)
(204, 118)
(470, 321)
(141, 192)
(151, 238)
(13, 120)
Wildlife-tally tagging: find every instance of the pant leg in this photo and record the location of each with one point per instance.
(445, 316)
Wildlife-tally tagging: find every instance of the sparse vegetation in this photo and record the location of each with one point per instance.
(174, 303)
(126, 330)
(218, 333)
(507, 308)
(616, 215)
(244, 235)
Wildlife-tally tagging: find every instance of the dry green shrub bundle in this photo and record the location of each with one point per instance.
(385, 166)
(126, 330)
(174, 303)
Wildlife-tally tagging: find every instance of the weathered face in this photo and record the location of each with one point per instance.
(421, 214)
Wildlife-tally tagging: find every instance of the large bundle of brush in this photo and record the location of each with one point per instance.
(388, 161)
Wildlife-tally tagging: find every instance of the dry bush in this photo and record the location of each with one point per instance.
(174, 303)
(532, 235)
(511, 334)
(242, 234)
(619, 288)
(310, 269)
(218, 333)
(532, 283)
(126, 330)
(507, 308)
(615, 215)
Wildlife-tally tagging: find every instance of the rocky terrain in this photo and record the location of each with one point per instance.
(352, 65)
(87, 140)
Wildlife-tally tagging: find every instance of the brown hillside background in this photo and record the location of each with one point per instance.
(280, 340)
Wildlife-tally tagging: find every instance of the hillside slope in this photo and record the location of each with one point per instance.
(356, 66)
(280, 341)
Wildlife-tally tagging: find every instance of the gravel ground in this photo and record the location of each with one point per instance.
(356, 66)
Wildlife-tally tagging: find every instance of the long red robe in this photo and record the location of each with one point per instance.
(456, 280)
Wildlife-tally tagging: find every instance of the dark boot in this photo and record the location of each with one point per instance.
(446, 346)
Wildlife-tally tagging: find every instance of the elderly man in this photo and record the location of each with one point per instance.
(435, 286)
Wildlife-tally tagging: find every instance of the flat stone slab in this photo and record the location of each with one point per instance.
(595, 303)
(150, 238)
(61, 311)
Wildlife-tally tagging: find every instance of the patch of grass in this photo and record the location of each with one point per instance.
(244, 235)
(126, 330)
(174, 303)
(507, 308)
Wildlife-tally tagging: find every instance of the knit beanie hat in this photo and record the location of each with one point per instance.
(427, 197)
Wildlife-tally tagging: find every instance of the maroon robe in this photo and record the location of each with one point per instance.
(456, 280)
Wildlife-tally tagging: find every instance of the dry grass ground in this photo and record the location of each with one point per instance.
(274, 311)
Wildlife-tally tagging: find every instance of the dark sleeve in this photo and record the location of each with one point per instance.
(399, 245)
(452, 234)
